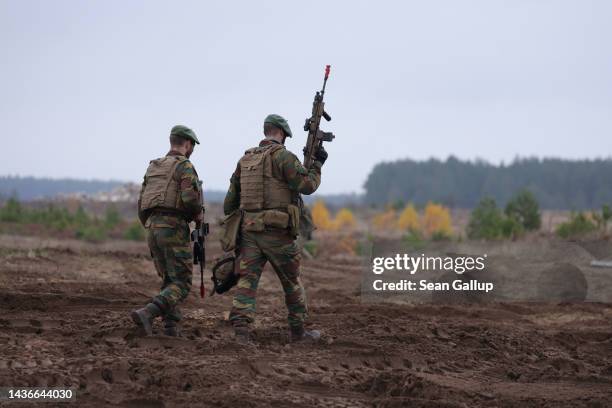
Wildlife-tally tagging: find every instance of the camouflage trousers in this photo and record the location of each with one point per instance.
(168, 239)
(257, 248)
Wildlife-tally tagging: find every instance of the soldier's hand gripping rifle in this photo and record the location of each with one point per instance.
(198, 236)
(316, 136)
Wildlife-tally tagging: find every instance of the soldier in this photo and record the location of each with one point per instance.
(266, 187)
(170, 198)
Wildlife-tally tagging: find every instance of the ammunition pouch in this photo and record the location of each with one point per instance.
(258, 221)
(294, 219)
(276, 219)
(230, 229)
(224, 274)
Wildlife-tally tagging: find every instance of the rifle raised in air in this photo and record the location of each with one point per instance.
(316, 136)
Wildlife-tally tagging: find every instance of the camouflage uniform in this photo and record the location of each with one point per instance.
(168, 240)
(278, 246)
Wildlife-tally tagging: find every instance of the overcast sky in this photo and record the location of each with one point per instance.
(90, 89)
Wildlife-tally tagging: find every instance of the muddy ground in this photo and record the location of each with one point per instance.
(64, 322)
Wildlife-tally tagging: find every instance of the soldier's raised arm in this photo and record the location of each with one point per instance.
(300, 179)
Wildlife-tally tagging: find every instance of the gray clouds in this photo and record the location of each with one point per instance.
(93, 88)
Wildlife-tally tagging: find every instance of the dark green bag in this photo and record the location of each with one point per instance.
(224, 274)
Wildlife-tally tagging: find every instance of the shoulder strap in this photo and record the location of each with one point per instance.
(179, 160)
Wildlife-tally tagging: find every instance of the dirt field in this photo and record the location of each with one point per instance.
(65, 322)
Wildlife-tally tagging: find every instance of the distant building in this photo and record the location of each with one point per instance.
(125, 193)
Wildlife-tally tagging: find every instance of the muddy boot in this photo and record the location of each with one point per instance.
(299, 334)
(171, 328)
(144, 317)
(241, 335)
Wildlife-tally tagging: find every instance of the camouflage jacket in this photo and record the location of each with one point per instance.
(299, 179)
(190, 190)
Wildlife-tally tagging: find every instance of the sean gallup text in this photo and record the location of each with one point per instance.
(425, 285)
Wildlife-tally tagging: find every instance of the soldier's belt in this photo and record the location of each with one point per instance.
(170, 213)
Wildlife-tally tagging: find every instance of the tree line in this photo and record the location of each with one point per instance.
(556, 183)
(29, 188)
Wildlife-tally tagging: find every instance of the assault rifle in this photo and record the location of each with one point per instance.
(198, 236)
(316, 136)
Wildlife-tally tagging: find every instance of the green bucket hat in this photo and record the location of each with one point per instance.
(185, 132)
(279, 122)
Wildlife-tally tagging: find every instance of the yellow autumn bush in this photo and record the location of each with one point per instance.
(320, 216)
(345, 220)
(385, 220)
(437, 220)
(409, 219)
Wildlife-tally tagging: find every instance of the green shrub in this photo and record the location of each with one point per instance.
(59, 224)
(91, 233)
(112, 218)
(485, 221)
(12, 211)
(398, 205)
(522, 213)
(80, 217)
(135, 232)
(511, 228)
(414, 240)
(524, 209)
(440, 236)
(80, 222)
(579, 224)
(311, 247)
(58, 218)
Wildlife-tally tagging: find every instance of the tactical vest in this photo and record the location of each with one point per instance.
(161, 188)
(259, 188)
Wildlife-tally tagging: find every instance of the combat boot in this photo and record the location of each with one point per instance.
(144, 317)
(171, 328)
(298, 333)
(241, 335)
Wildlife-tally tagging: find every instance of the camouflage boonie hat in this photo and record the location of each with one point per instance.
(185, 132)
(279, 122)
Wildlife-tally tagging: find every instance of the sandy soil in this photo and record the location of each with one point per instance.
(64, 322)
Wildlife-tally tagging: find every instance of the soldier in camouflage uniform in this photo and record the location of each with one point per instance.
(266, 187)
(170, 198)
